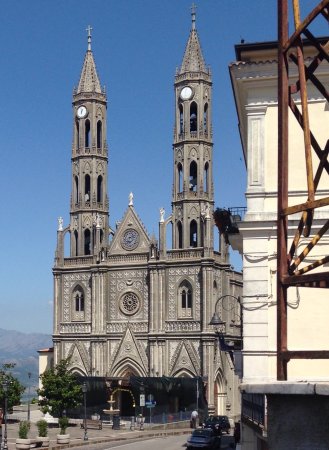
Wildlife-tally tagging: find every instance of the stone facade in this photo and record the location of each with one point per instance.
(124, 303)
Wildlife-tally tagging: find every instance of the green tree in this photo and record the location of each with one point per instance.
(60, 389)
(15, 388)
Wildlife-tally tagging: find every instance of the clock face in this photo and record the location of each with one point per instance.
(130, 239)
(186, 93)
(81, 112)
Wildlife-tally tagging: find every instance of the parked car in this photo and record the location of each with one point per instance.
(219, 424)
(203, 438)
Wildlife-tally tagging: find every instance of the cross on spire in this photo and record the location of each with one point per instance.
(193, 13)
(89, 30)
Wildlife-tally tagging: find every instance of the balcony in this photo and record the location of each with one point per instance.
(227, 221)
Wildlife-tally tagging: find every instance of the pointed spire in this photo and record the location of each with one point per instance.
(193, 60)
(89, 81)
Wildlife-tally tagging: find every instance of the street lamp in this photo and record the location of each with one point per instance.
(218, 322)
(5, 387)
(84, 390)
(28, 399)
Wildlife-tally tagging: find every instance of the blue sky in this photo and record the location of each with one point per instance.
(137, 45)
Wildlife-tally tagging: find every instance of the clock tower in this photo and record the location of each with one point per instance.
(192, 199)
(89, 201)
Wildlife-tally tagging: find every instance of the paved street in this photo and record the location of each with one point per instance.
(98, 439)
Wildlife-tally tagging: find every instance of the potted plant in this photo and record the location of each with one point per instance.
(62, 437)
(23, 442)
(42, 437)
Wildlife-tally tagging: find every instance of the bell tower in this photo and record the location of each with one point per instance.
(192, 200)
(89, 221)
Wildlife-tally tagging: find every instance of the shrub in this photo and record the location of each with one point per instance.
(42, 428)
(23, 430)
(63, 423)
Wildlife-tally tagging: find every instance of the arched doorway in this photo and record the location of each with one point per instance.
(220, 394)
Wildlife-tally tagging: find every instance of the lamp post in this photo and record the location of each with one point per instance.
(28, 398)
(5, 387)
(218, 322)
(84, 390)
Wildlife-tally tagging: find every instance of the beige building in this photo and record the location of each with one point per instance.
(126, 303)
(254, 78)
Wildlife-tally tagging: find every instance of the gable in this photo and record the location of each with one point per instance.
(130, 236)
(129, 353)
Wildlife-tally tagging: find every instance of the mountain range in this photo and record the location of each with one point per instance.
(22, 350)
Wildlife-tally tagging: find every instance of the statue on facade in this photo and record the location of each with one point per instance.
(60, 224)
(131, 199)
(162, 213)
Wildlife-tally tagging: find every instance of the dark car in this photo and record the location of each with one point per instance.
(203, 438)
(219, 424)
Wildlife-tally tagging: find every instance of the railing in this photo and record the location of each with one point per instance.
(78, 261)
(137, 257)
(185, 254)
(72, 328)
(253, 408)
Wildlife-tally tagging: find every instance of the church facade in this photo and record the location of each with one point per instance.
(126, 303)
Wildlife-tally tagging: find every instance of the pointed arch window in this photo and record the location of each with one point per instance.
(87, 242)
(193, 182)
(99, 134)
(181, 119)
(185, 299)
(205, 178)
(87, 188)
(180, 234)
(193, 234)
(76, 189)
(99, 189)
(180, 177)
(78, 303)
(193, 117)
(87, 133)
(77, 134)
(205, 119)
(76, 243)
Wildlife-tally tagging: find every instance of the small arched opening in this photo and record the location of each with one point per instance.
(99, 134)
(181, 119)
(193, 234)
(99, 189)
(87, 133)
(193, 182)
(205, 118)
(87, 188)
(205, 177)
(180, 177)
(180, 234)
(193, 117)
(76, 189)
(87, 242)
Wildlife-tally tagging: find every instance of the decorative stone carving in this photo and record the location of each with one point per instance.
(69, 281)
(119, 327)
(128, 349)
(182, 326)
(124, 282)
(129, 303)
(176, 276)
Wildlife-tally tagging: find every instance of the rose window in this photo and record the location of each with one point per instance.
(130, 239)
(129, 303)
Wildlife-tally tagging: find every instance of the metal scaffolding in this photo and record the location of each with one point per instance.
(291, 271)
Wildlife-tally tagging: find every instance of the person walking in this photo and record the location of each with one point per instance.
(194, 417)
